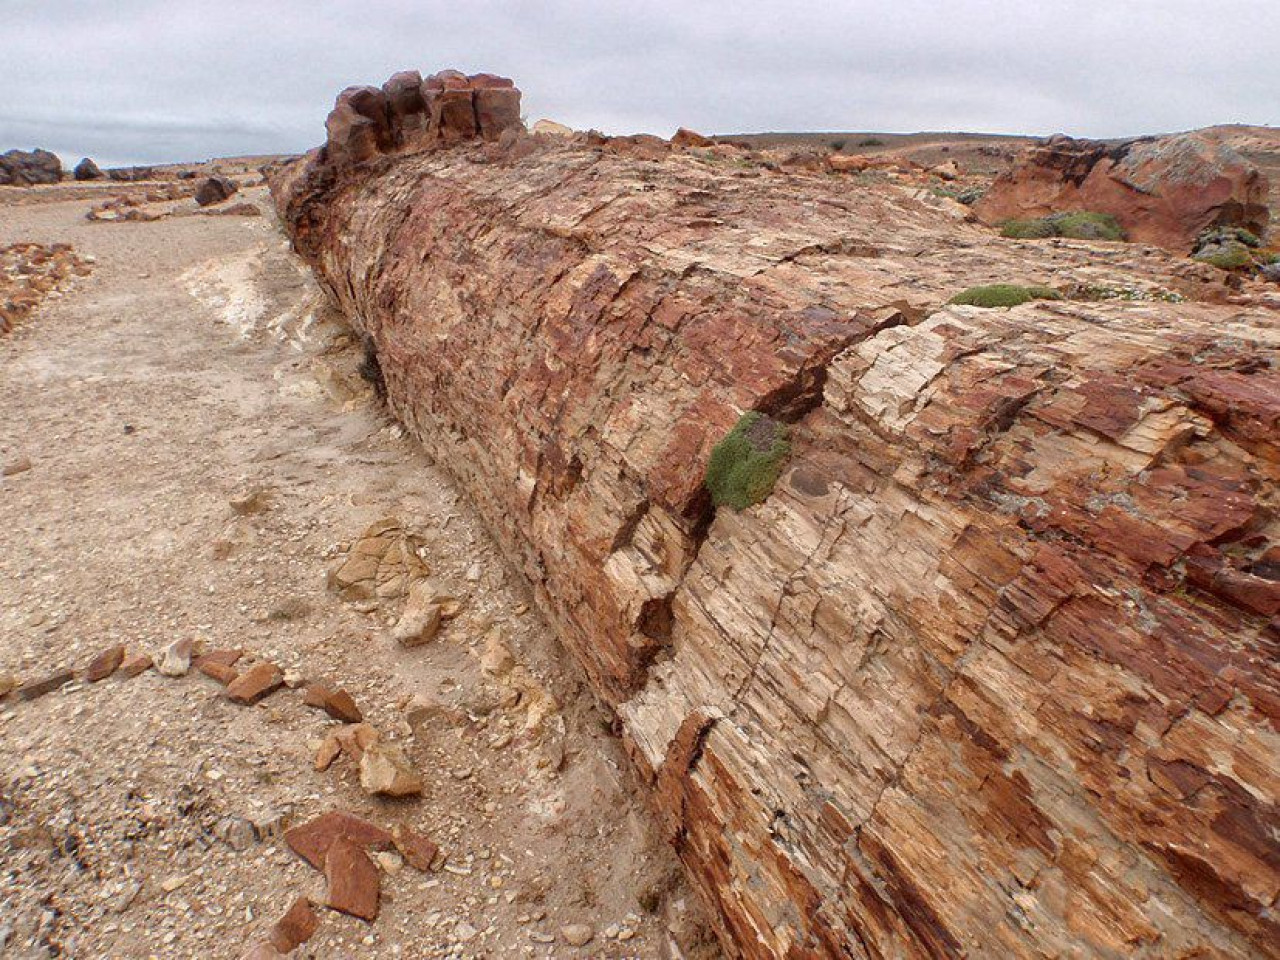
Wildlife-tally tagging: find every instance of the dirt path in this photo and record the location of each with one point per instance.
(187, 372)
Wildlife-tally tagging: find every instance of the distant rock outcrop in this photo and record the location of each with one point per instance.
(1164, 191)
(131, 174)
(409, 113)
(21, 168)
(86, 169)
(215, 190)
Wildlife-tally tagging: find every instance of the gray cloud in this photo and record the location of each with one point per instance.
(150, 81)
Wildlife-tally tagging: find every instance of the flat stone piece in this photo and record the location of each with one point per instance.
(255, 683)
(105, 664)
(296, 927)
(312, 840)
(418, 851)
(354, 885)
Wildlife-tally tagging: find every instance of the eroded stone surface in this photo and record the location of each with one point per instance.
(993, 669)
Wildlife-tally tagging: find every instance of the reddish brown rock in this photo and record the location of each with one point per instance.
(215, 190)
(329, 750)
(218, 670)
(255, 683)
(296, 927)
(990, 671)
(418, 851)
(35, 689)
(352, 879)
(356, 738)
(227, 657)
(312, 840)
(336, 703)
(136, 665)
(689, 138)
(1163, 191)
(27, 168)
(105, 664)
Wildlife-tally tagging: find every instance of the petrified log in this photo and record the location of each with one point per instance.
(992, 672)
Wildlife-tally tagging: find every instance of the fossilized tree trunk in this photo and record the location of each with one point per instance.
(993, 670)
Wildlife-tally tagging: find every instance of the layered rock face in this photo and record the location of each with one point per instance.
(1163, 191)
(992, 672)
(20, 168)
(408, 113)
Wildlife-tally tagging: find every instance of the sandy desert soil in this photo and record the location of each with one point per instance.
(201, 451)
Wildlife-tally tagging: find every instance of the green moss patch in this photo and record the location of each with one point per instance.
(1076, 225)
(1004, 295)
(746, 464)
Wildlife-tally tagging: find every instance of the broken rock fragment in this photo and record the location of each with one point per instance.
(353, 882)
(418, 851)
(104, 664)
(135, 665)
(312, 840)
(385, 770)
(356, 738)
(336, 703)
(296, 927)
(38, 688)
(255, 683)
(176, 659)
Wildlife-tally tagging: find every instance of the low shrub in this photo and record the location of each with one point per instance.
(1075, 225)
(1027, 229)
(871, 142)
(1004, 295)
(745, 465)
(1228, 256)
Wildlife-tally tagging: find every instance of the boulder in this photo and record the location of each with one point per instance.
(86, 169)
(131, 174)
(551, 129)
(22, 168)
(1164, 191)
(215, 190)
(688, 138)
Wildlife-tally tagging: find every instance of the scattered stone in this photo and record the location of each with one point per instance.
(389, 862)
(353, 881)
(219, 671)
(251, 502)
(269, 824)
(135, 665)
(105, 664)
(336, 703)
(254, 684)
(357, 738)
(296, 927)
(236, 832)
(227, 657)
(8, 683)
(418, 625)
(418, 851)
(330, 748)
(14, 467)
(312, 840)
(176, 660)
(293, 679)
(38, 688)
(577, 934)
(384, 562)
(86, 169)
(215, 190)
(385, 770)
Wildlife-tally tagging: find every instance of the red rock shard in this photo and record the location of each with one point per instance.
(353, 883)
(311, 840)
(1163, 191)
(993, 670)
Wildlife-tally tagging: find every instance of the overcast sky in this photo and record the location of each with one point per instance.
(164, 80)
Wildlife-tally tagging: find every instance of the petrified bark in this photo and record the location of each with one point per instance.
(992, 672)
